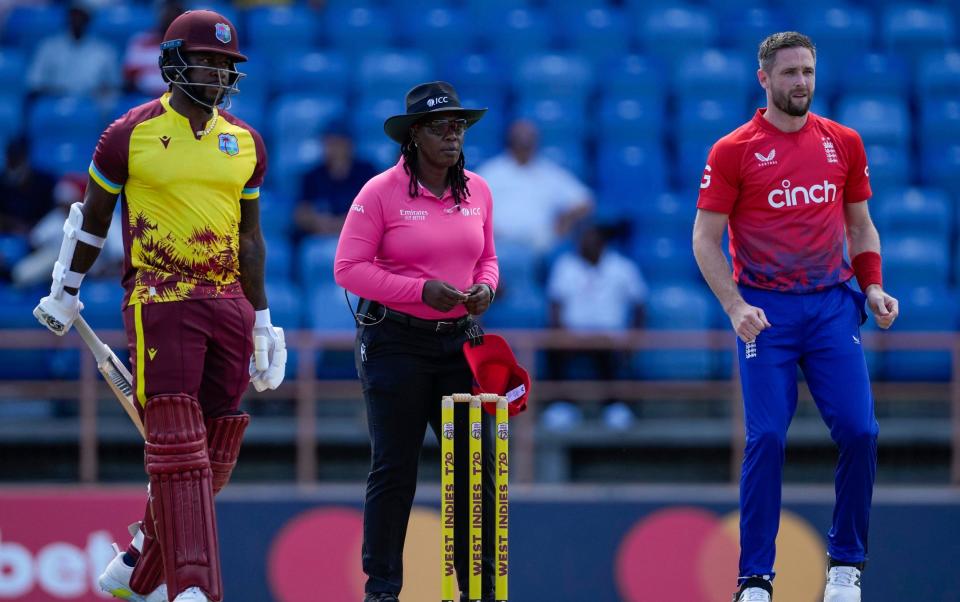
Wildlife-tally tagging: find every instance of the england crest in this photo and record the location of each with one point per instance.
(228, 144)
(223, 33)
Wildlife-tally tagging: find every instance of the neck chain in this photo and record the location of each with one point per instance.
(212, 124)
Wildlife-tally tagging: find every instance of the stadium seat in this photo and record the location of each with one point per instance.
(938, 76)
(222, 7)
(926, 213)
(355, 30)
(518, 32)
(251, 110)
(290, 159)
(838, 31)
(13, 248)
(714, 74)
(915, 260)
(568, 156)
(519, 267)
(383, 153)
(665, 258)
(553, 75)
(274, 30)
(327, 308)
(668, 33)
(678, 307)
(878, 119)
(286, 303)
(65, 116)
(631, 120)
(743, 25)
(279, 263)
(876, 74)
(922, 308)
(596, 32)
(103, 303)
(316, 72)
(391, 73)
(476, 75)
(914, 30)
(26, 26)
(297, 117)
(369, 115)
(630, 174)
(632, 75)
(666, 214)
(59, 155)
(939, 121)
(518, 307)
(11, 117)
(687, 172)
(437, 27)
(315, 261)
(704, 121)
(561, 121)
(276, 212)
(890, 166)
(940, 165)
(118, 23)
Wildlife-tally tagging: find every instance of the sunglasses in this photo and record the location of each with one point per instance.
(443, 127)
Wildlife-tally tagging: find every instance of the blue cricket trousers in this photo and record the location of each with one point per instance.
(820, 333)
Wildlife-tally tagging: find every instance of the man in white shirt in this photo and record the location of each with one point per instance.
(74, 63)
(537, 202)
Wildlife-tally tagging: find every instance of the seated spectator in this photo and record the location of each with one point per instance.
(74, 62)
(46, 236)
(328, 190)
(26, 194)
(140, 70)
(595, 288)
(536, 201)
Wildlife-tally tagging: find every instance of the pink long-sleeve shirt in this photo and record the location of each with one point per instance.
(391, 244)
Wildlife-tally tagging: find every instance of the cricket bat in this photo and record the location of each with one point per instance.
(113, 371)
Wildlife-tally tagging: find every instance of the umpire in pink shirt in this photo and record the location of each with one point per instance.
(417, 247)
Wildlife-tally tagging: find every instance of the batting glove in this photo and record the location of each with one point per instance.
(58, 313)
(268, 364)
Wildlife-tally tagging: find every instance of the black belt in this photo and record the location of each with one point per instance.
(375, 311)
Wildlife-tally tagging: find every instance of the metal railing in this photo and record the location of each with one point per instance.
(307, 391)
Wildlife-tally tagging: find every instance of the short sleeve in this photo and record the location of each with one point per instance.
(111, 157)
(720, 185)
(857, 187)
(251, 190)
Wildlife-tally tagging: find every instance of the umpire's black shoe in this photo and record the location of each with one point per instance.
(381, 597)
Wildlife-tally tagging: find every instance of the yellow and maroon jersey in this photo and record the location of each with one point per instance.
(181, 200)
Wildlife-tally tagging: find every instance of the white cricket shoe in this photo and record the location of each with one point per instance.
(192, 594)
(115, 579)
(752, 594)
(843, 584)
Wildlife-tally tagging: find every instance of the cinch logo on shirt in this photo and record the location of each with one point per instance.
(414, 215)
(788, 197)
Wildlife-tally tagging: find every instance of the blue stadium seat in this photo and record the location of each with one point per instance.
(62, 155)
(742, 28)
(631, 119)
(940, 165)
(874, 73)
(518, 32)
(518, 307)
(561, 121)
(65, 116)
(678, 308)
(286, 303)
(919, 212)
(438, 27)
(476, 75)
(315, 261)
(13, 67)
(369, 115)
(327, 309)
(923, 308)
(276, 211)
(251, 110)
(274, 30)
(628, 174)
(838, 31)
(357, 29)
(938, 76)
(916, 260)
(18, 307)
(391, 73)
(568, 156)
(596, 32)
(317, 72)
(519, 267)
(665, 258)
(939, 121)
(890, 166)
(714, 74)
(878, 119)
(26, 26)
(11, 116)
(704, 121)
(688, 168)
(632, 75)
(666, 214)
(126, 102)
(279, 263)
(13, 248)
(289, 160)
(553, 75)
(489, 131)
(118, 23)
(296, 117)
(668, 33)
(914, 30)
(103, 303)
(383, 153)
(483, 11)
(222, 7)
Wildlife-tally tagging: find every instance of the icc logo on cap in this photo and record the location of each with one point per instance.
(223, 33)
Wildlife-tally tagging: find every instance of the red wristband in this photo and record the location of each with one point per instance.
(867, 267)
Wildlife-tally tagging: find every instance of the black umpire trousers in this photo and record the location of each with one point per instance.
(405, 371)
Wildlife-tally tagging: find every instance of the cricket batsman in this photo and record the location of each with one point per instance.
(188, 175)
(791, 186)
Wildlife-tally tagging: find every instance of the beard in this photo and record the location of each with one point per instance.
(791, 106)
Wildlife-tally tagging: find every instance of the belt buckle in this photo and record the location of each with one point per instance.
(442, 326)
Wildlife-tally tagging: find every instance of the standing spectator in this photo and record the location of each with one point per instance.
(140, 70)
(26, 194)
(75, 63)
(538, 202)
(327, 190)
(595, 288)
(791, 188)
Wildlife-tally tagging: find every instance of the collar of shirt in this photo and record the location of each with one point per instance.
(424, 191)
